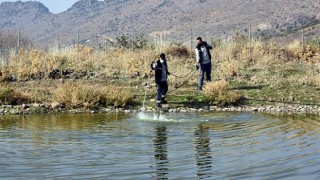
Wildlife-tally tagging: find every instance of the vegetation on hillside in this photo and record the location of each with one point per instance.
(83, 76)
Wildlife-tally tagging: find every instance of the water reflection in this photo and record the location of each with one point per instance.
(203, 152)
(160, 151)
(60, 122)
(232, 146)
(55, 129)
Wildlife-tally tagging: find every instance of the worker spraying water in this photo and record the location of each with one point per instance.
(160, 67)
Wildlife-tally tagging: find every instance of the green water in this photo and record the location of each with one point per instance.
(170, 146)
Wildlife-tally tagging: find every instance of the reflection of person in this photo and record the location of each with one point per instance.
(161, 75)
(202, 152)
(203, 58)
(160, 151)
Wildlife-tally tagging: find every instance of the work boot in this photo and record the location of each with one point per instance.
(159, 105)
(163, 101)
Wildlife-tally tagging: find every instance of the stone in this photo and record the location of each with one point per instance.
(55, 105)
(119, 110)
(7, 106)
(193, 109)
(254, 109)
(165, 105)
(14, 111)
(24, 106)
(183, 110)
(36, 105)
(291, 98)
(213, 107)
(108, 110)
(206, 107)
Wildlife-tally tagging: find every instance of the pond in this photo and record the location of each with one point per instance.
(153, 146)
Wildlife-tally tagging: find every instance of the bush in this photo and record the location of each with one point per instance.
(75, 94)
(178, 51)
(116, 96)
(315, 42)
(127, 42)
(219, 93)
(12, 97)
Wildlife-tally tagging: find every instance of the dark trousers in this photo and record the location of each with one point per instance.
(204, 69)
(162, 90)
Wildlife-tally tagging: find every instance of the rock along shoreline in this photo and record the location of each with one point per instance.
(54, 108)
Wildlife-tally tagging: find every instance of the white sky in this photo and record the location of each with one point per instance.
(54, 6)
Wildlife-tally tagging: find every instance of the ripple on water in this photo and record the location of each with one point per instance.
(154, 146)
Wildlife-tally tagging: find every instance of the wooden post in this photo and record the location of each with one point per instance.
(191, 46)
(250, 54)
(18, 42)
(302, 40)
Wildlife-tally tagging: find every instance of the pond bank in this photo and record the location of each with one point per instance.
(55, 108)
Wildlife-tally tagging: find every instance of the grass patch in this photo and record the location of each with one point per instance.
(219, 93)
(9, 96)
(74, 94)
(116, 96)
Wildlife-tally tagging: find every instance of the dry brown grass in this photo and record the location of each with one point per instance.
(76, 94)
(116, 96)
(219, 93)
(229, 59)
(178, 51)
(12, 97)
(264, 63)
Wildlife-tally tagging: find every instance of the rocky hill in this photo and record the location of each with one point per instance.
(98, 20)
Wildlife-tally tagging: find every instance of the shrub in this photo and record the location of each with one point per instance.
(228, 69)
(12, 97)
(127, 42)
(315, 42)
(75, 94)
(178, 51)
(219, 93)
(116, 96)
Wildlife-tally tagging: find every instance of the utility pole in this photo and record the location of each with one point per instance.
(18, 47)
(0, 49)
(77, 49)
(191, 39)
(302, 40)
(250, 43)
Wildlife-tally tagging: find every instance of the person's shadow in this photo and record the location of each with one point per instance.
(203, 152)
(160, 151)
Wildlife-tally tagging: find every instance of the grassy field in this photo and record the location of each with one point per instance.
(261, 73)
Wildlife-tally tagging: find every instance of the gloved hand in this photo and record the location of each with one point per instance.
(197, 66)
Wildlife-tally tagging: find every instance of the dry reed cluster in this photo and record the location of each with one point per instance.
(219, 93)
(73, 94)
(9, 95)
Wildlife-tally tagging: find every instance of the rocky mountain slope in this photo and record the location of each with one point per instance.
(92, 20)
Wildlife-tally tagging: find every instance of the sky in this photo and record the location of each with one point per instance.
(54, 6)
